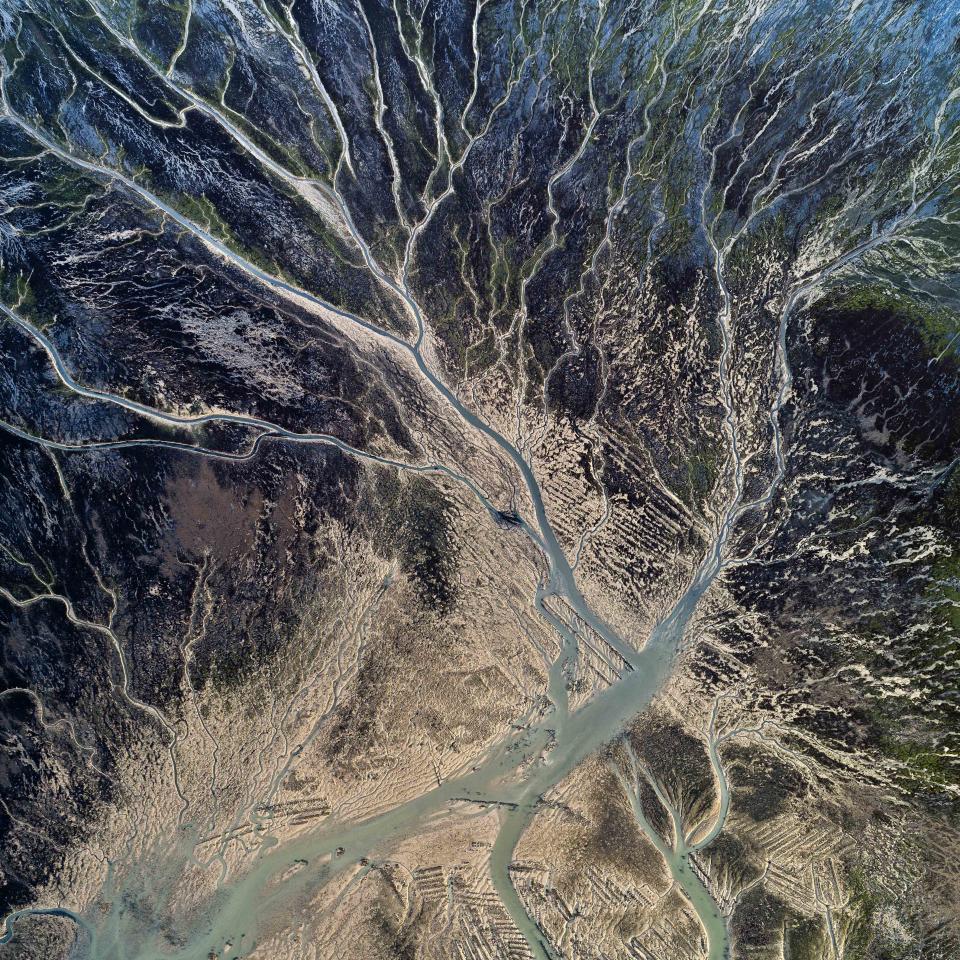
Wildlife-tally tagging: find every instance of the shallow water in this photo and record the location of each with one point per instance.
(137, 926)
(233, 916)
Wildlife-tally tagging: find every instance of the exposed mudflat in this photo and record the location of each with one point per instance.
(479, 480)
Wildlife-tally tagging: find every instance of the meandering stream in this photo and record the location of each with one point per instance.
(505, 774)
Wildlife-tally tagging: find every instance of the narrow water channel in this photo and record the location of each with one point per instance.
(234, 915)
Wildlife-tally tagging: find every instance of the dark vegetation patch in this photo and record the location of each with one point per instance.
(575, 385)
(879, 355)
(60, 715)
(865, 937)
(354, 721)
(730, 856)
(398, 943)
(412, 520)
(46, 937)
(701, 466)
(613, 836)
(758, 921)
(41, 652)
(677, 760)
(921, 735)
(761, 786)
(401, 653)
(805, 938)
(252, 525)
(890, 393)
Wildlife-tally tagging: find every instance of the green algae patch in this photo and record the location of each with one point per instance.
(938, 327)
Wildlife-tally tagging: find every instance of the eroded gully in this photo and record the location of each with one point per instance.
(545, 753)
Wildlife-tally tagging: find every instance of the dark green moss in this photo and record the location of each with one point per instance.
(804, 939)
(876, 354)
(937, 326)
(703, 466)
(415, 526)
(763, 785)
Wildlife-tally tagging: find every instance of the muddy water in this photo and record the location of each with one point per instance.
(517, 772)
(677, 858)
